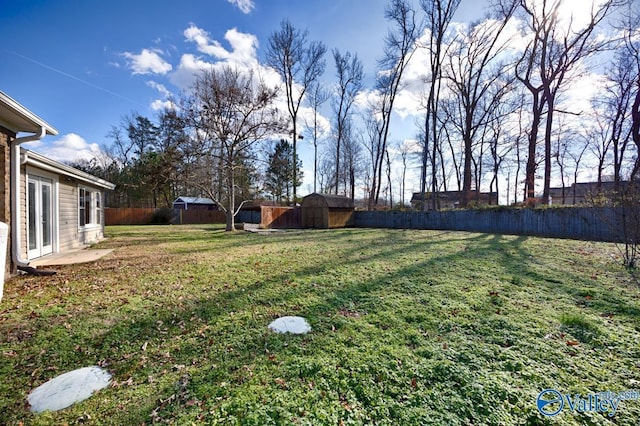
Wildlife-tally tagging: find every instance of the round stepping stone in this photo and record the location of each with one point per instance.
(68, 388)
(293, 325)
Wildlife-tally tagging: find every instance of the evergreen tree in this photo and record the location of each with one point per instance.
(280, 175)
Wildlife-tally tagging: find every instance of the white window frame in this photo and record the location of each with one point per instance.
(31, 172)
(94, 205)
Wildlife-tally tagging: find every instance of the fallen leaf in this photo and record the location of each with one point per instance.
(572, 343)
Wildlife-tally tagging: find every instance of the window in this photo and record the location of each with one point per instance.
(98, 208)
(89, 207)
(82, 207)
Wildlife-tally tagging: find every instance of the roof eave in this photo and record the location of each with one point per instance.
(38, 160)
(20, 119)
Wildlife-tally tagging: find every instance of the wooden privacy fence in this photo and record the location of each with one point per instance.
(280, 217)
(147, 216)
(128, 216)
(184, 217)
(578, 223)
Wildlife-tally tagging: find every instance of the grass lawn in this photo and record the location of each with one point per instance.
(409, 327)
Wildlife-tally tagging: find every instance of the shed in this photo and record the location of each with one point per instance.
(194, 203)
(326, 211)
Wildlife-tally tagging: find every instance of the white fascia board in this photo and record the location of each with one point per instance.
(17, 118)
(40, 161)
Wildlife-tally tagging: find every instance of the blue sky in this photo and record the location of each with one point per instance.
(82, 65)
(71, 62)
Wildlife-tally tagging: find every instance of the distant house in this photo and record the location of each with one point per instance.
(452, 199)
(48, 206)
(194, 203)
(583, 193)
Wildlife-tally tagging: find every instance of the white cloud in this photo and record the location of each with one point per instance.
(243, 45)
(305, 121)
(159, 87)
(161, 105)
(246, 6)
(147, 62)
(68, 148)
(242, 54)
(185, 74)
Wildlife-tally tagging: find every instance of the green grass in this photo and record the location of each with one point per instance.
(409, 327)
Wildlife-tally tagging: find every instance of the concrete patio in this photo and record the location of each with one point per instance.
(71, 257)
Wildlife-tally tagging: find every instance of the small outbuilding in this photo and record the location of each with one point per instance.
(194, 203)
(326, 211)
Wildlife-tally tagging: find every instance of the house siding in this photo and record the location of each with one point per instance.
(69, 234)
(68, 220)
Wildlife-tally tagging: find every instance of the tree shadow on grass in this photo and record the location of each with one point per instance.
(215, 342)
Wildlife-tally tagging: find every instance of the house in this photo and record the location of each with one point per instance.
(48, 206)
(452, 199)
(326, 211)
(194, 203)
(584, 192)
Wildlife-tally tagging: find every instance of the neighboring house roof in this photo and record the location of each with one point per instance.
(40, 161)
(454, 195)
(17, 118)
(194, 200)
(328, 200)
(583, 189)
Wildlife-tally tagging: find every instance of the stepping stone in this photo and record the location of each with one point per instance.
(68, 388)
(293, 325)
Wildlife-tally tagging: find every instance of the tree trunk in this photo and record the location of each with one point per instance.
(530, 177)
(295, 158)
(231, 204)
(547, 150)
(635, 132)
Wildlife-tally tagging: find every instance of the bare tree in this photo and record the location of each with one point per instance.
(300, 63)
(476, 76)
(350, 75)
(231, 112)
(631, 51)
(318, 95)
(553, 53)
(404, 150)
(600, 135)
(623, 76)
(351, 159)
(439, 14)
(400, 45)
